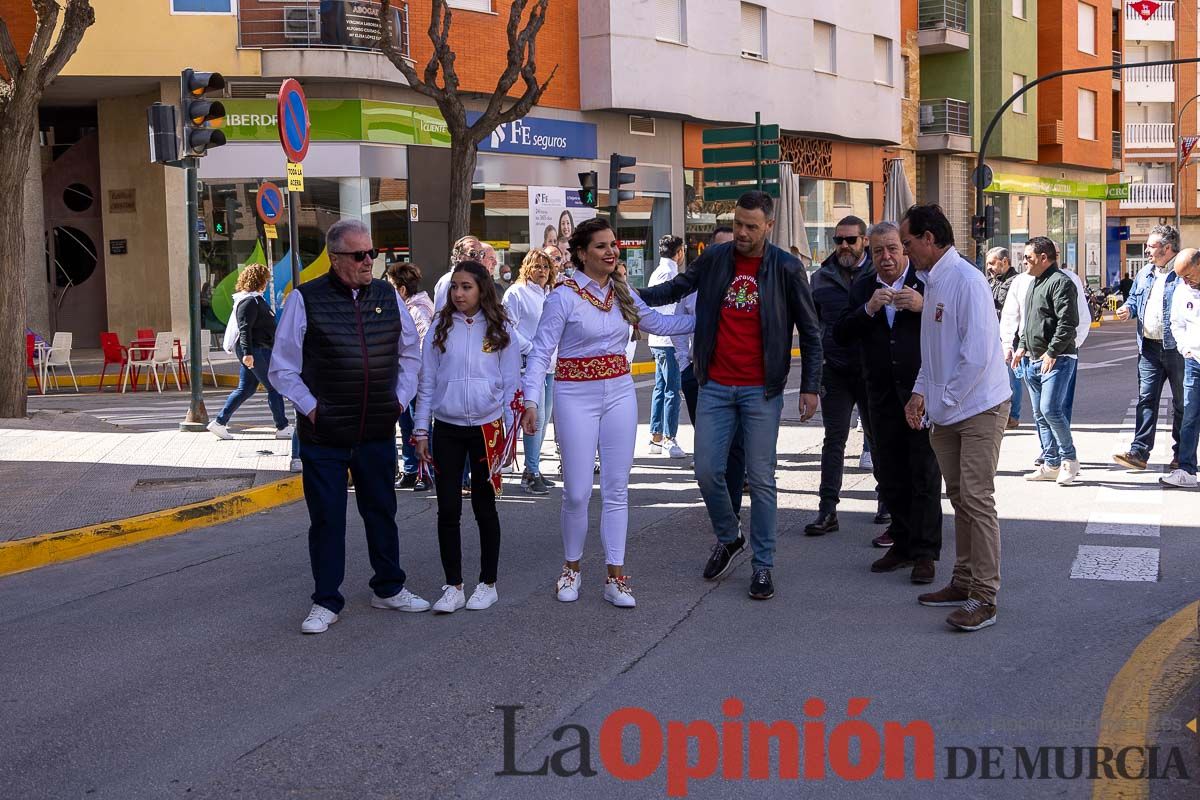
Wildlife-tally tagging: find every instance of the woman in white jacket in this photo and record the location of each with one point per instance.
(470, 373)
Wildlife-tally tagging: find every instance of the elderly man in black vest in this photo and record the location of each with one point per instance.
(347, 355)
(884, 319)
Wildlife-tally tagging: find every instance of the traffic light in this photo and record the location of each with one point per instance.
(617, 178)
(233, 216)
(161, 119)
(983, 227)
(201, 117)
(588, 194)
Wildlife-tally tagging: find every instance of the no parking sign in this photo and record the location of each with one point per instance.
(269, 203)
(294, 120)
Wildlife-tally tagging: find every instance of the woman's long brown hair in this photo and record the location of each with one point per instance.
(581, 239)
(497, 337)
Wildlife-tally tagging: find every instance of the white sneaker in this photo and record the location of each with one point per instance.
(318, 620)
(452, 600)
(866, 462)
(655, 447)
(404, 601)
(220, 430)
(673, 448)
(296, 465)
(285, 433)
(1044, 472)
(483, 597)
(1069, 472)
(1179, 479)
(568, 585)
(618, 592)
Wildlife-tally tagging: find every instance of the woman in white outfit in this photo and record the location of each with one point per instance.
(587, 319)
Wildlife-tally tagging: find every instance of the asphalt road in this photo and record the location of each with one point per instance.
(175, 668)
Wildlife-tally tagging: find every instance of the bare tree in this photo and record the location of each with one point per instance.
(59, 28)
(464, 138)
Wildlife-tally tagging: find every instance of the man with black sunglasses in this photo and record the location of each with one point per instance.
(347, 354)
(843, 381)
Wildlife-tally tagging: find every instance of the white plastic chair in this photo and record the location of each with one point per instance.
(160, 356)
(58, 355)
(206, 358)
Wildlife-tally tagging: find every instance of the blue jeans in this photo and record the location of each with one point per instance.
(1048, 394)
(664, 403)
(1157, 366)
(533, 444)
(1190, 430)
(720, 410)
(1014, 381)
(407, 450)
(735, 467)
(248, 381)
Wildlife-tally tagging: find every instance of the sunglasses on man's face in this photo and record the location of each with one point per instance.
(845, 240)
(360, 255)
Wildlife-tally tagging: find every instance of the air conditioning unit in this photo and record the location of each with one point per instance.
(301, 22)
(641, 126)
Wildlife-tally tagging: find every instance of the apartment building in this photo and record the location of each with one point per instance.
(1160, 116)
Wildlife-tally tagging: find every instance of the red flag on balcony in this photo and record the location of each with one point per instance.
(1145, 8)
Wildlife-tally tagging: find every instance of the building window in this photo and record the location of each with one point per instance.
(907, 69)
(1018, 105)
(1019, 9)
(1087, 28)
(824, 47)
(754, 31)
(670, 21)
(471, 5)
(201, 6)
(1087, 114)
(883, 60)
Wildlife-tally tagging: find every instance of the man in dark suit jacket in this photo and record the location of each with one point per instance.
(884, 319)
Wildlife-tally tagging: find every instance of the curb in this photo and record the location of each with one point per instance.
(52, 548)
(64, 379)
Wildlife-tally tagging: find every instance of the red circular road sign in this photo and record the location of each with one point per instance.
(293, 120)
(269, 203)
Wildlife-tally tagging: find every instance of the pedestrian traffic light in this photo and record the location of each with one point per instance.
(201, 117)
(233, 216)
(983, 227)
(617, 178)
(588, 194)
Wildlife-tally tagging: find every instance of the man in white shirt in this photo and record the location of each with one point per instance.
(963, 390)
(667, 396)
(1185, 328)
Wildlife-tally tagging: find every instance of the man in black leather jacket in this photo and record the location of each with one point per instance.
(751, 296)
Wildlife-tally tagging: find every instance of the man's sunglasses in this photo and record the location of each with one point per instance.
(359, 255)
(845, 240)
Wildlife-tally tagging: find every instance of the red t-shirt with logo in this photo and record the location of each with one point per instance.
(737, 359)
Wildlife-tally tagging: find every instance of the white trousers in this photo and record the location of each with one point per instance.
(591, 417)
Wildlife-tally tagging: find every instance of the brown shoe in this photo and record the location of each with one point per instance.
(884, 539)
(923, 571)
(1130, 460)
(972, 615)
(1012, 423)
(891, 562)
(950, 596)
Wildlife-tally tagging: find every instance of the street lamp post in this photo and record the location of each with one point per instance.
(1179, 165)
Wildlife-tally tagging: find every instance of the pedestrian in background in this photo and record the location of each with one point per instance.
(406, 278)
(1001, 273)
(523, 302)
(1046, 352)
(667, 396)
(963, 390)
(468, 248)
(1185, 328)
(1159, 361)
(470, 373)
(255, 336)
(347, 355)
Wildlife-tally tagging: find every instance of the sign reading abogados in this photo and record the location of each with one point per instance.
(1053, 187)
(341, 121)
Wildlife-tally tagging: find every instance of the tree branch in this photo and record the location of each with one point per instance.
(522, 63)
(79, 18)
(43, 34)
(8, 53)
(402, 62)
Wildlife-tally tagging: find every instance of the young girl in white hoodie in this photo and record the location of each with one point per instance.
(470, 373)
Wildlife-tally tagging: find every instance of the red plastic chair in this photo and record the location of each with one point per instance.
(29, 348)
(145, 333)
(114, 353)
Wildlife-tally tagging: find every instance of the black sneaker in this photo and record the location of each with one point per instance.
(722, 558)
(535, 485)
(407, 480)
(761, 587)
(422, 485)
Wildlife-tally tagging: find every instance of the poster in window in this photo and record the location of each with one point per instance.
(554, 212)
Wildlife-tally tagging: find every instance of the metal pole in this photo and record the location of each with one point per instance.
(979, 187)
(271, 272)
(294, 236)
(197, 416)
(1178, 141)
(758, 179)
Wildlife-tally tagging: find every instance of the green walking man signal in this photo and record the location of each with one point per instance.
(589, 194)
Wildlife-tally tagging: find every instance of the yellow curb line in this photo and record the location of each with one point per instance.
(52, 548)
(65, 385)
(1125, 720)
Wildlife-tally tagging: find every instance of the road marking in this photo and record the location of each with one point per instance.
(1102, 563)
(1122, 523)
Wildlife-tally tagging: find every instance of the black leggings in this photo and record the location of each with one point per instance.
(454, 445)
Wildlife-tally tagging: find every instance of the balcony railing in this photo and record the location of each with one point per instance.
(946, 116)
(1149, 134)
(1135, 265)
(935, 14)
(1116, 60)
(1164, 13)
(1150, 195)
(338, 24)
(1161, 73)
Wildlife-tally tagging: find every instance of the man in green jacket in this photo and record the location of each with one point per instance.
(1046, 349)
